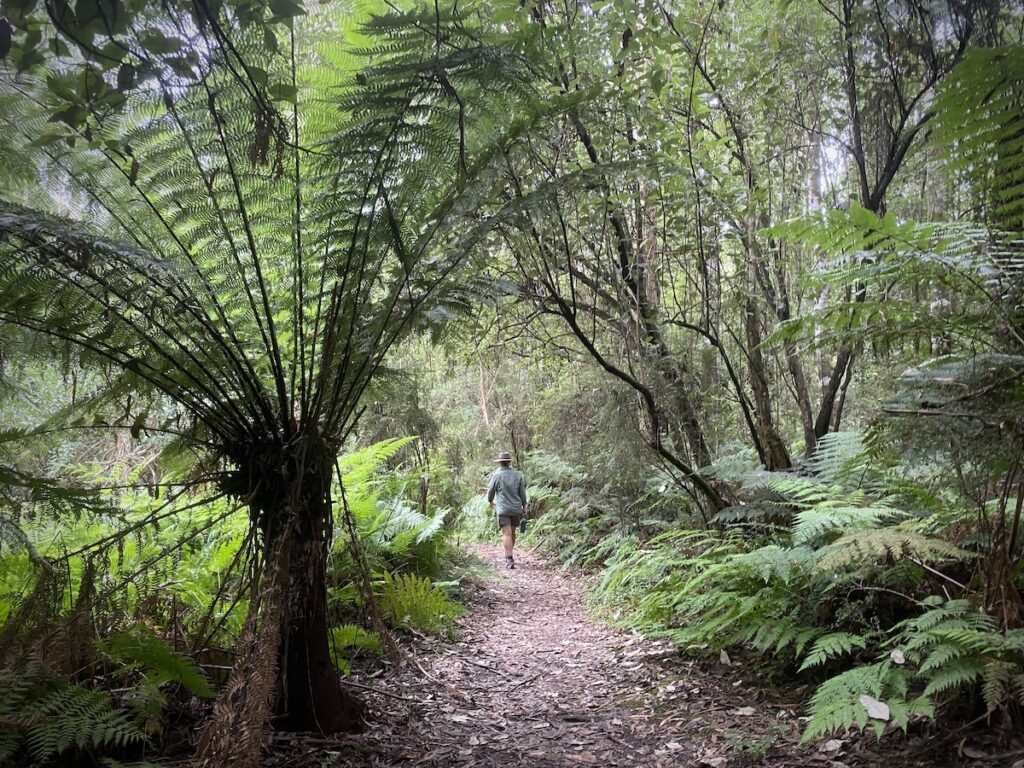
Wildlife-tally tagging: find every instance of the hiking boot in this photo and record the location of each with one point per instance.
(509, 562)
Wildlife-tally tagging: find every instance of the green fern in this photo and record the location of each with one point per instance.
(142, 649)
(72, 716)
(351, 637)
(408, 600)
(813, 524)
(954, 672)
(832, 646)
(879, 544)
(978, 111)
(49, 718)
(950, 646)
(835, 705)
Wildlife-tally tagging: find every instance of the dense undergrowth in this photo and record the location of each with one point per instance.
(116, 627)
(673, 256)
(860, 574)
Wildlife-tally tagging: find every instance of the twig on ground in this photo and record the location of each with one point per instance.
(482, 666)
(381, 691)
(520, 684)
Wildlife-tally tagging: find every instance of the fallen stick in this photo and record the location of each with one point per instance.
(482, 666)
(378, 690)
(520, 684)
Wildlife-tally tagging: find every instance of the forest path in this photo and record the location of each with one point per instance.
(532, 680)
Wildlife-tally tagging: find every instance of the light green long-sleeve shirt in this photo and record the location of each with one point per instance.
(507, 489)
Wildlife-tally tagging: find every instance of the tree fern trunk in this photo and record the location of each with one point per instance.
(283, 673)
(311, 697)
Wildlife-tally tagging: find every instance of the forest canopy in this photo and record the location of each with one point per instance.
(739, 284)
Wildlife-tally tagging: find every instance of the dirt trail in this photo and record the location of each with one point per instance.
(532, 680)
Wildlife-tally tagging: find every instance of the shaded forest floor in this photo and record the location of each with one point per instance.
(532, 680)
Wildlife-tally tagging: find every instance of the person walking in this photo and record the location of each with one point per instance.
(507, 491)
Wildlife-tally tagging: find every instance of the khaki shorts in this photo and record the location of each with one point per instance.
(512, 519)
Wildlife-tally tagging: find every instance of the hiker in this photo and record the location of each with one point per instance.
(508, 487)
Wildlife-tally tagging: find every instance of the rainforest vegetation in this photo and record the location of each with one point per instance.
(740, 285)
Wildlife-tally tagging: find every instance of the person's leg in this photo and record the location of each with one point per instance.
(508, 536)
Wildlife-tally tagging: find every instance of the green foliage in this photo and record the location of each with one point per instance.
(350, 639)
(978, 109)
(831, 646)
(140, 648)
(394, 535)
(50, 718)
(837, 705)
(789, 590)
(949, 649)
(401, 547)
(476, 518)
(882, 544)
(218, 220)
(408, 600)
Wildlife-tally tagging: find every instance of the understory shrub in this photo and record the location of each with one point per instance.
(138, 602)
(408, 600)
(838, 575)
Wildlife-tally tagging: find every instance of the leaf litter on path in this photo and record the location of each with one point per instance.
(532, 680)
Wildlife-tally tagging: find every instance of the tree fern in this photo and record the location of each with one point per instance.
(242, 235)
(978, 109)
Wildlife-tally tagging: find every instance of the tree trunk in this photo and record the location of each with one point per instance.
(844, 359)
(283, 672)
(776, 455)
(686, 419)
(310, 695)
(803, 399)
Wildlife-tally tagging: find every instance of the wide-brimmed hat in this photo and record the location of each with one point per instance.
(503, 456)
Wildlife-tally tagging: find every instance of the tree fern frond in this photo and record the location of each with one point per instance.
(978, 117)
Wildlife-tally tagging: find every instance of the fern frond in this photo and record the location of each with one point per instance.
(72, 716)
(831, 646)
(879, 544)
(160, 663)
(348, 637)
(978, 118)
(954, 673)
(835, 705)
(409, 600)
(812, 524)
(998, 683)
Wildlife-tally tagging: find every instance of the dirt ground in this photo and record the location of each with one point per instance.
(532, 680)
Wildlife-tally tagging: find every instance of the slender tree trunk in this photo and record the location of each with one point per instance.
(844, 359)
(803, 399)
(686, 420)
(776, 455)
